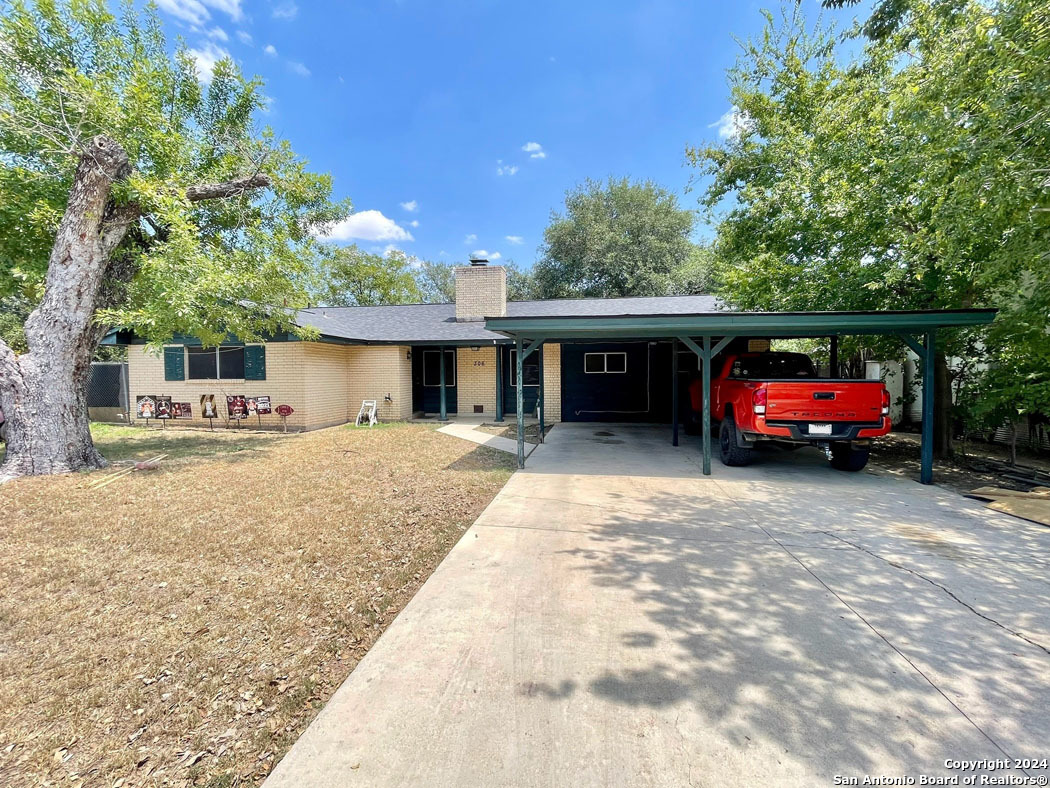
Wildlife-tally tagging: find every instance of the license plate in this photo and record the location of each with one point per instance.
(819, 429)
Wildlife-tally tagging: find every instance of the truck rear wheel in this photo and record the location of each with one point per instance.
(731, 453)
(846, 458)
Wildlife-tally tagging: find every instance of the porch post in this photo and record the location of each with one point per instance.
(706, 415)
(834, 360)
(674, 392)
(444, 404)
(499, 383)
(521, 402)
(928, 386)
(541, 392)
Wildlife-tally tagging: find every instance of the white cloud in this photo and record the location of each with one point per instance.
(196, 11)
(287, 11)
(471, 238)
(411, 206)
(270, 50)
(485, 254)
(205, 59)
(505, 169)
(535, 150)
(245, 37)
(368, 226)
(218, 33)
(298, 68)
(517, 240)
(731, 124)
(192, 11)
(231, 7)
(414, 223)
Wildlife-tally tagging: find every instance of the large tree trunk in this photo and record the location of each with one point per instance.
(43, 392)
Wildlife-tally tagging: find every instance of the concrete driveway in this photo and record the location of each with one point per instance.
(614, 618)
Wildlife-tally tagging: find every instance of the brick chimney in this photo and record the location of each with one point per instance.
(481, 291)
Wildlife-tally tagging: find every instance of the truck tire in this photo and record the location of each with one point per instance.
(731, 453)
(845, 458)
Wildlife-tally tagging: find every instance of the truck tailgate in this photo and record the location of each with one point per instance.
(824, 400)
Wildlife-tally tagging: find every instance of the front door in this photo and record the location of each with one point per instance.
(426, 380)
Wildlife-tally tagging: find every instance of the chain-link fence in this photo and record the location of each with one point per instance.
(107, 395)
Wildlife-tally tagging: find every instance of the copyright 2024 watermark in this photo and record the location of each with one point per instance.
(977, 772)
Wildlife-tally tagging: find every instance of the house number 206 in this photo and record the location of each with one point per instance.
(479, 363)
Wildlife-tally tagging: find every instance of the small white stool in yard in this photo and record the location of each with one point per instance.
(368, 411)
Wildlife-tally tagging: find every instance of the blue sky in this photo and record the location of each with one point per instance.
(457, 126)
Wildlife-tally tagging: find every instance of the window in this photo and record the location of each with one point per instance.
(432, 372)
(605, 363)
(530, 369)
(215, 363)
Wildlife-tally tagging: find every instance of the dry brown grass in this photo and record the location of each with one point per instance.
(182, 626)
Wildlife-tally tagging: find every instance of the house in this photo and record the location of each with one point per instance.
(392, 354)
(612, 359)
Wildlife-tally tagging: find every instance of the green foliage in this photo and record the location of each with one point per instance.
(615, 239)
(352, 277)
(521, 285)
(913, 177)
(436, 282)
(72, 70)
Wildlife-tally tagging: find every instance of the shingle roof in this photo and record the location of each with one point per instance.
(419, 323)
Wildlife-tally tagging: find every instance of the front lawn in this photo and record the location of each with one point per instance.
(183, 625)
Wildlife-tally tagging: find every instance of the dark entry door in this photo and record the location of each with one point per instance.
(530, 390)
(616, 381)
(426, 380)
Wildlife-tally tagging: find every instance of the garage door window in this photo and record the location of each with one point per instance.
(604, 363)
(530, 369)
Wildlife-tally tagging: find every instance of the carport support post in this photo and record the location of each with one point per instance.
(444, 405)
(499, 383)
(541, 392)
(674, 392)
(521, 402)
(928, 374)
(705, 359)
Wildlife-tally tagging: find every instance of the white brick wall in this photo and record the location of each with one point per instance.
(551, 383)
(476, 380)
(481, 291)
(284, 384)
(376, 371)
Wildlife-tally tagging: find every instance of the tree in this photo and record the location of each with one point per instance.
(614, 239)
(436, 282)
(907, 179)
(352, 277)
(132, 195)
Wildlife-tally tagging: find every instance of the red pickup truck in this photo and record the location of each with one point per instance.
(777, 397)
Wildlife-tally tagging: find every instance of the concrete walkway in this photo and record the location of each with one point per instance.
(470, 433)
(613, 618)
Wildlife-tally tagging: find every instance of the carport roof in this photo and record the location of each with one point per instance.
(730, 323)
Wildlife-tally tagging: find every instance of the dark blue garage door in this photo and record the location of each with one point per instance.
(616, 381)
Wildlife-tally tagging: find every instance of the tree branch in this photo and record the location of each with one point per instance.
(232, 188)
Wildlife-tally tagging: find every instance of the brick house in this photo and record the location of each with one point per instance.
(393, 354)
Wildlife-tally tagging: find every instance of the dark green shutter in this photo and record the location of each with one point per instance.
(255, 362)
(174, 363)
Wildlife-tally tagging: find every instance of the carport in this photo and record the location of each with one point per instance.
(707, 334)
